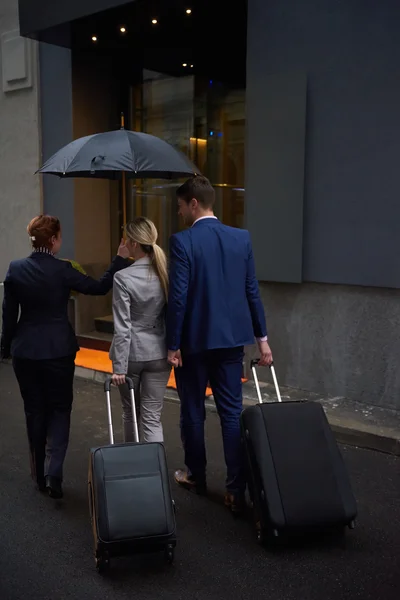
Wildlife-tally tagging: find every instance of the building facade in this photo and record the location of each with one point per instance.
(301, 147)
(20, 193)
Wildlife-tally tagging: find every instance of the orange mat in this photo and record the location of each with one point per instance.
(93, 359)
(98, 360)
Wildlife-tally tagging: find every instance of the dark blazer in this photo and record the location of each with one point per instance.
(214, 300)
(35, 305)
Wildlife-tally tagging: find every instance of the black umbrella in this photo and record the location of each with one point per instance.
(117, 154)
(108, 154)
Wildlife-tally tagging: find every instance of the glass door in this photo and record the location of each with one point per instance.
(163, 106)
(206, 121)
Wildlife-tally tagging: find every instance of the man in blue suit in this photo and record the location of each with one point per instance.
(214, 310)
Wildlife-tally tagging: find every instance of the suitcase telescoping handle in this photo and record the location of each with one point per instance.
(253, 365)
(107, 389)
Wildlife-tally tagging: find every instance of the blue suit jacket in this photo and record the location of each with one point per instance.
(214, 300)
(39, 287)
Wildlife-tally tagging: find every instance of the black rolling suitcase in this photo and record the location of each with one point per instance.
(130, 501)
(297, 478)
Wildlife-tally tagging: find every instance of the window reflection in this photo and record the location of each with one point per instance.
(206, 121)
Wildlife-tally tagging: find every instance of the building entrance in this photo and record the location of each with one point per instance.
(170, 86)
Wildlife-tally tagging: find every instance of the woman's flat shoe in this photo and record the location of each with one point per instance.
(54, 487)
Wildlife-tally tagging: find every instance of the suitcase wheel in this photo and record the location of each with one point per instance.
(169, 554)
(264, 537)
(102, 564)
(260, 535)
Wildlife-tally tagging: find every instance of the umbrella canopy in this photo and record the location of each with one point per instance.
(106, 155)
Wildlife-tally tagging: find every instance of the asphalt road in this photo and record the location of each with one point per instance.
(46, 547)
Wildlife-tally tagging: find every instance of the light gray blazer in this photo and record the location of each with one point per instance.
(139, 316)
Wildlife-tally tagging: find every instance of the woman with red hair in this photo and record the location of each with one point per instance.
(39, 337)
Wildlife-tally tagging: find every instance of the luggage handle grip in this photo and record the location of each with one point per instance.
(131, 388)
(108, 383)
(254, 362)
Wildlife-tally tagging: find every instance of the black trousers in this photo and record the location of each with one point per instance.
(47, 391)
(223, 369)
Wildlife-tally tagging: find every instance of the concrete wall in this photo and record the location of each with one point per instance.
(20, 194)
(56, 132)
(275, 155)
(336, 340)
(350, 52)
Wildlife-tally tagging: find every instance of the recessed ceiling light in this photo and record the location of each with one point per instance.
(191, 66)
(184, 64)
(94, 38)
(188, 11)
(122, 29)
(154, 21)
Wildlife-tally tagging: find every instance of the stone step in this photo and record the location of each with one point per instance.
(95, 340)
(104, 324)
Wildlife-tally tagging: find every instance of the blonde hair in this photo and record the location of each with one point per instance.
(143, 231)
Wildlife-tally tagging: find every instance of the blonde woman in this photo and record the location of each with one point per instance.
(139, 346)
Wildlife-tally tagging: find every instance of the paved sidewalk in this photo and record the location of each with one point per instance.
(46, 546)
(354, 423)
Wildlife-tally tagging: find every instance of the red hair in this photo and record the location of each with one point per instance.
(41, 229)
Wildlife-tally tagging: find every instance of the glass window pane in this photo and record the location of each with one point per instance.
(206, 121)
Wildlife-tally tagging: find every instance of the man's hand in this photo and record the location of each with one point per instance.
(123, 251)
(175, 358)
(265, 354)
(118, 379)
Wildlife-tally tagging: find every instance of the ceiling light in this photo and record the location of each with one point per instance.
(184, 65)
(122, 29)
(191, 66)
(154, 21)
(94, 38)
(188, 11)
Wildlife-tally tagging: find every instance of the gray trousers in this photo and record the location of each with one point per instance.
(150, 381)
